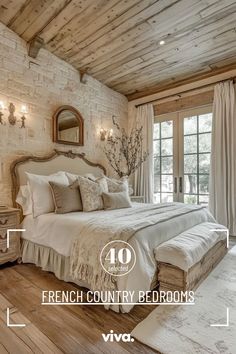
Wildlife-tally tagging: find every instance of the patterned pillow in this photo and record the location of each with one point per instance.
(115, 186)
(91, 193)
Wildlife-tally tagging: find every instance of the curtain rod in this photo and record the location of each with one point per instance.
(181, 92)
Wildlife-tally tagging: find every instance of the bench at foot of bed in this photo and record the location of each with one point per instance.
(186, 260)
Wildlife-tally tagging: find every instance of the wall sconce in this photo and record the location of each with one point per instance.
(12, 119)
(1, 109)
(104, 133)
(24, 111)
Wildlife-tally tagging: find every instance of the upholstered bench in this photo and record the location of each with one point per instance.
(185, 260)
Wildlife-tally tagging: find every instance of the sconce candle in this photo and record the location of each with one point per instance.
(110, 134)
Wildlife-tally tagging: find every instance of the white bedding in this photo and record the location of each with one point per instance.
(59, 232)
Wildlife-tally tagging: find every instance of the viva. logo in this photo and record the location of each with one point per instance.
(115, 337)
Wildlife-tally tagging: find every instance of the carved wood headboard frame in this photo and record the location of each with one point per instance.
(24, 159)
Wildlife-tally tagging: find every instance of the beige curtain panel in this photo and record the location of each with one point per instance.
(143, 178)
(223, 158)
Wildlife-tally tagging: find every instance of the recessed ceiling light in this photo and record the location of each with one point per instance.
(162, 42)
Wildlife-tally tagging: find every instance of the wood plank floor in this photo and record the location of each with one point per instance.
(58, 329)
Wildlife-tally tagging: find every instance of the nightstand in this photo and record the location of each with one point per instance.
(9, 219)
(137, 198)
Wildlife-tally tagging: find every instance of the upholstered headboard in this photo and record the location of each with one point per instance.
(57, 161)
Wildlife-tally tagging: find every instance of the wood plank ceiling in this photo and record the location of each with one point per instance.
(117, 41)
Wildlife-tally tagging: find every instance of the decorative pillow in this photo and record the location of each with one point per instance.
(41, 194)
(91, 193)
(117, 200)
(24, 199)
(66, 198)
(116, 185)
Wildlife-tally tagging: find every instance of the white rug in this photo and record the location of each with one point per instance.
(187, 329)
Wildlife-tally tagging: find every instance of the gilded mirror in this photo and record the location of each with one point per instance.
(68, 126)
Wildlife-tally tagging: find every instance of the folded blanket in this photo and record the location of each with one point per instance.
(85, 252)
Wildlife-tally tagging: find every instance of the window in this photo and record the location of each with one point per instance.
(163, 162)
(182, 148)
(197, 151)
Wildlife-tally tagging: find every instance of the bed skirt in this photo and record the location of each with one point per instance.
(49, 260)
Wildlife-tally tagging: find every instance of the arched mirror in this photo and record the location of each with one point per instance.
(68, 126)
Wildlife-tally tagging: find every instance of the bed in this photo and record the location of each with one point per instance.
(49, 238)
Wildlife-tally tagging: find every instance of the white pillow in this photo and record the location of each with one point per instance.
(24, 199)
(72, 177)
(41, 194)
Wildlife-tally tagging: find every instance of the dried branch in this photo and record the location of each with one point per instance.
(124, 152)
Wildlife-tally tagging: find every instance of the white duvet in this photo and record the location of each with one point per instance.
(59, 232)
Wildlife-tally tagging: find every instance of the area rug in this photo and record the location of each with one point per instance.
(187, 329)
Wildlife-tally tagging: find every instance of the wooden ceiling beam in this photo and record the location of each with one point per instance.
(34, 46)
(191, 83)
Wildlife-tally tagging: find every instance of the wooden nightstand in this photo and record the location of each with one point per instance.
(137, 199)
(9, 219)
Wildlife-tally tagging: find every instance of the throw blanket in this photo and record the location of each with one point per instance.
(85, 253)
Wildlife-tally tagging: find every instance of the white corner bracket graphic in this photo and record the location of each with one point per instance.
(13, 324)
(223, 324)
(8, 234)
(223, 230)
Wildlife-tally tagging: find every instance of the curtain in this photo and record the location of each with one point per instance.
(222, 201)
(143, 177)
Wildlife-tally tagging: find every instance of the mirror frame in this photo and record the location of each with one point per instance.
(80, 125)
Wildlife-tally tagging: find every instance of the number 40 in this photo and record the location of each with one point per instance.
(123, 255)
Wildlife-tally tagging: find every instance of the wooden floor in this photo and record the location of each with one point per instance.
(58, 329)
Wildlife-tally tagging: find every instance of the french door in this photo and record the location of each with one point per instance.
(182, 147)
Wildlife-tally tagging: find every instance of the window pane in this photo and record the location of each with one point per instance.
(156, 147)
(205, 142)
(204, 163)
(190, 199)
(167, 164)
(205, 122)
(190, 163)
(157, 166)
(190, 184)
(166, 197)
(156, 132)
(167, 147)
(190, 125)
(167, 129)
(166, 183)
(190, 144)
(157, 183)
(203, 184)
(203, 199)
(157, 198)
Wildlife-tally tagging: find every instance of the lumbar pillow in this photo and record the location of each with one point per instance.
(115, 185)
(66, 198)
(117, 200)
(41, 194)
(24, 199)
(91, 193)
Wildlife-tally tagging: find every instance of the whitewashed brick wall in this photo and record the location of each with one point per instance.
(44, 84)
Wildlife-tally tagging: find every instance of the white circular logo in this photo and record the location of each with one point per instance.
(117, 258)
